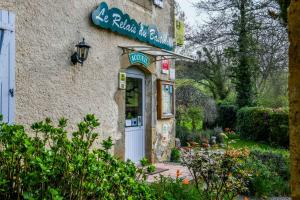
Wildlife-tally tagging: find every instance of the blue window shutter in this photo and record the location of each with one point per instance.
(7, 65)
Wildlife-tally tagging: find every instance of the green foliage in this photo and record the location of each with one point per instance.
(175, 155)
(191, 118)
(263, 124)
(188, 124)
(183, 134)
(252, 123)
(167, 188)
(227, 116)
(284, 4)
(211, 71)
(218, 133)
(271, 174)
(218, 175)
(275, 92)
(52, 166)
(269, 166)
(276, 161)
(279, 128)
(195, 115)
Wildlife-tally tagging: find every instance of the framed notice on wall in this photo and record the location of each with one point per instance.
(165, 99)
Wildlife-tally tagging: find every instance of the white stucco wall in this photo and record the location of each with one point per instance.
(47, 84)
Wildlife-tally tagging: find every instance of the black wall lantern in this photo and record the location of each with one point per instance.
(81, 54)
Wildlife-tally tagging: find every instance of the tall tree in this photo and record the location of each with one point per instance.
(294, 95)
(284, 4)
(211, 70)
(256, 43)
(243, 70)
(231, 26)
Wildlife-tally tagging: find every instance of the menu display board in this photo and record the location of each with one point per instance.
(165, 100)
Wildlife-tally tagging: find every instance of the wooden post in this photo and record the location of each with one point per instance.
(294, 95)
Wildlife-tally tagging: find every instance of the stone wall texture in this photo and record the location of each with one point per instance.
(48, 85)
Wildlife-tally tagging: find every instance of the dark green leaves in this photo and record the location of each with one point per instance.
(53, 166)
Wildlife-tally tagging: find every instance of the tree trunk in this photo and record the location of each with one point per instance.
(243, 73)
(294, 95)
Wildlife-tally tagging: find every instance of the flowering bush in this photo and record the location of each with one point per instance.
(174, 189)
(218, 175)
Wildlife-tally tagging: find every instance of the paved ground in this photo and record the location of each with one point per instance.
(171, 172)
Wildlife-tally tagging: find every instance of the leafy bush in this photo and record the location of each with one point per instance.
(218, 134)
(264, 182)
(279, 127)
(220, 174)
(206, 135)
(175, 155)
(166, 188)
(227, 116)
(191, 118)
(252, 123)
(263, 124)
(270, 174)
(276, 162)
(182, 133)
(51, 166)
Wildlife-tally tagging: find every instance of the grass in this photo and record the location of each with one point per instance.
(243, 143)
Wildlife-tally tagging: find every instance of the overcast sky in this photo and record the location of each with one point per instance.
(191, 14)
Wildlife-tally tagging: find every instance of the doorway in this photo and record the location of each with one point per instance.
(135, 115)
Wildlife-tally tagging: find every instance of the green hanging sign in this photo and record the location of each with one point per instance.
(117, 21)
(139, 58)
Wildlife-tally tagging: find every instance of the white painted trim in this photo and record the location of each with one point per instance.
(136, 73)
(7, 65)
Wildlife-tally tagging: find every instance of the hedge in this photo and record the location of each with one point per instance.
(227, 116)
(279, 128)
(264, 124)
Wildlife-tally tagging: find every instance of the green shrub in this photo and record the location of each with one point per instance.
(166, 188)
(218, 175)
(175, 155)
(270, 174)
(190, 118)
(52, 166)
(182, 133)
(277, 162)
(263, 124)
(264, 182)
(279, 127)
(253, 123)
(227, 116)
(218, 133)
(206, 135)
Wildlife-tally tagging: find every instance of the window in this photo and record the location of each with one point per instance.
(134, 102)
(165, 99)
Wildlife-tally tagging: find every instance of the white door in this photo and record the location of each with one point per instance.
(7, 65)
(135, 120)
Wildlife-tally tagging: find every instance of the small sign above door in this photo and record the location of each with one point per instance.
(139, 58)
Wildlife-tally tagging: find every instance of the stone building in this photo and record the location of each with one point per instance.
(126, 80)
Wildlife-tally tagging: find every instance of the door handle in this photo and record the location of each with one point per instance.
(11, 92)
(139, 121)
